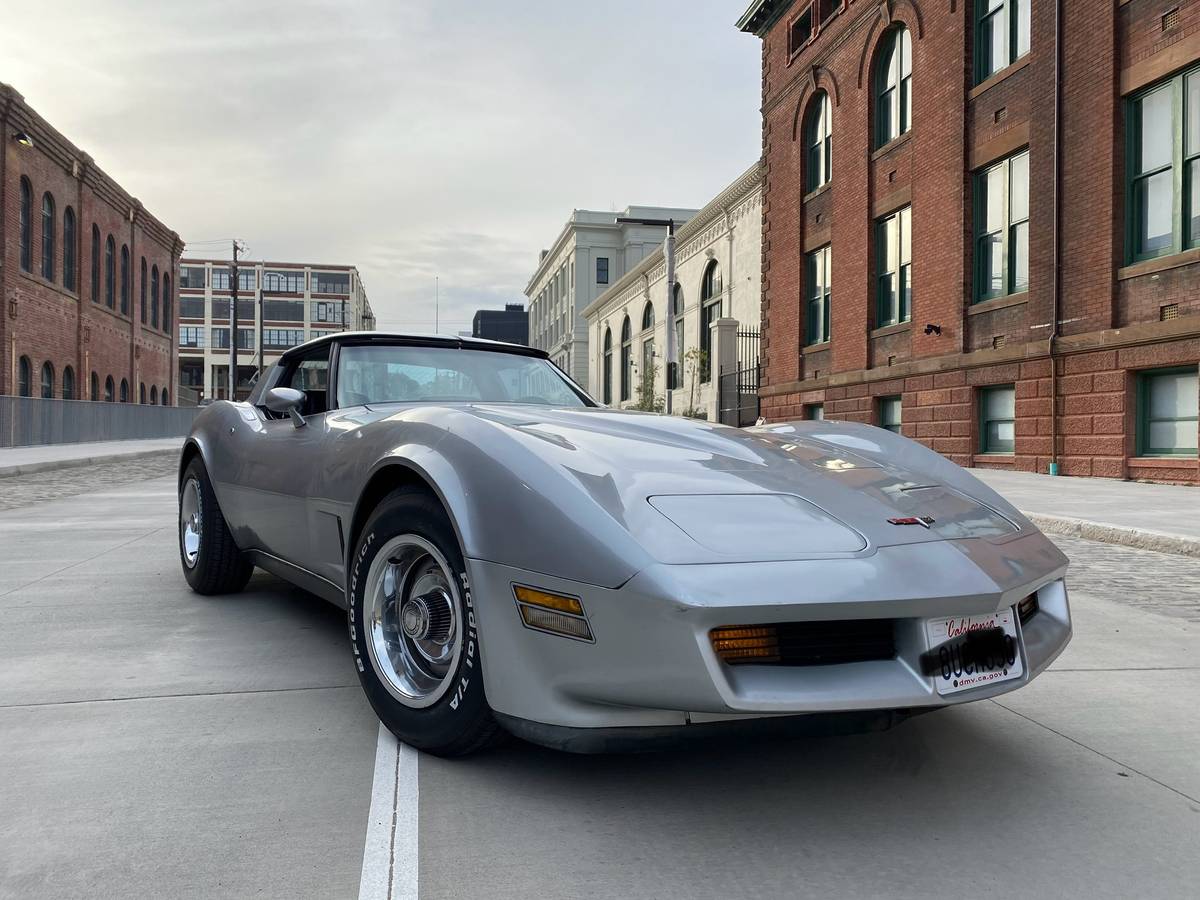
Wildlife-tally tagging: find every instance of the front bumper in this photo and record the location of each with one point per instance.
(652, 663)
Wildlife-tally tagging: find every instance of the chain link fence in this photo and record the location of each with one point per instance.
(30, 421)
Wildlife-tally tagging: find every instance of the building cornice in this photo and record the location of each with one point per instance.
(717, 208)
(761, 15)
(194, 261)
(555, 249)
(54, 145)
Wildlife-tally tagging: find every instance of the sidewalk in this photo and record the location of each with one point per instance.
(25, 460)
(1159, 517)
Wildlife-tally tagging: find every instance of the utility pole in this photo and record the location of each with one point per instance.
(233, 323)
(669, 256)
(436, 306)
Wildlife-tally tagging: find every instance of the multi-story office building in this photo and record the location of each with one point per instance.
(591, 252)
(86, 274)
(1006, 192)
(510, 324)
(718, 264)
(287, 303)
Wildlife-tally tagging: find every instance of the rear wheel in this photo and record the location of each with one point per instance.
(412, 627)
(212, 563)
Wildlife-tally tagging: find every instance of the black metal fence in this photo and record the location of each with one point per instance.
(737, 389)
(29, 421)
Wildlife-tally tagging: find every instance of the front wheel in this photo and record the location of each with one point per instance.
(212, 563)
(413, 630)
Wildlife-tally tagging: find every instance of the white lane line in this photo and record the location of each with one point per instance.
(389, 868)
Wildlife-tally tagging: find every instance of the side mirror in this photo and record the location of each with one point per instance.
(286, 400)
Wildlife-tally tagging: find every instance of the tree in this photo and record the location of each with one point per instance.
(646, 399)
(695, 361)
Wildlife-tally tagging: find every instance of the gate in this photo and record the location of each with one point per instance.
(737, 390)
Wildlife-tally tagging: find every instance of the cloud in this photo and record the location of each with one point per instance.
(409, 139)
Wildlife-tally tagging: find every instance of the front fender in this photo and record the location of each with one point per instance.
(509, 506)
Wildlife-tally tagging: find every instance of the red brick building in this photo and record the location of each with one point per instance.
(87, 275)
(1010, 212)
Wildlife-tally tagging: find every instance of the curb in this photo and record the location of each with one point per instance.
(1139, 539)
(78, 462)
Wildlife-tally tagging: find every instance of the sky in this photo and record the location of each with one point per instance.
(415, 140)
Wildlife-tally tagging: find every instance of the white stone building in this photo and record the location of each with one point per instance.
(591, 252)
(718, 257)
(297, 302)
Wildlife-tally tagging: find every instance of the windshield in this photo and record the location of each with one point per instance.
(383, 373)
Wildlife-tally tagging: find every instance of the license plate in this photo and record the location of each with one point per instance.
(960, 674)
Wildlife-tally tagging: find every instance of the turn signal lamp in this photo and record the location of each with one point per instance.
(735, 644)
(552, 613)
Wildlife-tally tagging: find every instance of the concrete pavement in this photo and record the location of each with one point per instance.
(1161, 517)
(157, 743)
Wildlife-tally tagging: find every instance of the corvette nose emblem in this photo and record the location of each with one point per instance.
(923, 521)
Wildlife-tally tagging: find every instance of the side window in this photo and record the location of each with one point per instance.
(311, 375)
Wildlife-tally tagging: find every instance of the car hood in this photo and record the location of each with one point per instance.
(689, 491)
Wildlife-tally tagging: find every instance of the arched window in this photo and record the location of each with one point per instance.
(110, 268)
(165, 400)
(144, 290)
(818, 141)
(154, 296)
(607, 364)
(647, 373)
(95, 386)
(153, 395)
(124, 390)
(47, 381)
(26, 227)
(166, 318)
(95, 264)
(142, 393)
(675, 369)
(25, 377)
(68, 390)
(70, 257)
(108, 389)
(710, 311)
(626, 360)
(49, 232)
(124, 280)
(893, 87)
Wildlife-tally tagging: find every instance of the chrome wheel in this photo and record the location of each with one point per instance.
(412, 617)
(190, 522)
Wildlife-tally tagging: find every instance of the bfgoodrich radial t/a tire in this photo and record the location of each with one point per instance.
(412, 627)
(212, 563)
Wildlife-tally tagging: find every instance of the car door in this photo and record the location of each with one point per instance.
(285, 463)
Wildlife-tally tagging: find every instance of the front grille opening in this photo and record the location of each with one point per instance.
(1026, 608)
(806, 643)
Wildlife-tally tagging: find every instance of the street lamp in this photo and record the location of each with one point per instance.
(669, 254)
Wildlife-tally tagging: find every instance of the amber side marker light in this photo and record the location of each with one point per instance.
(736, 644)
(552, 613)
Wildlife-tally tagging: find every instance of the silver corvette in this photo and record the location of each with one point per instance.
(514, 557)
